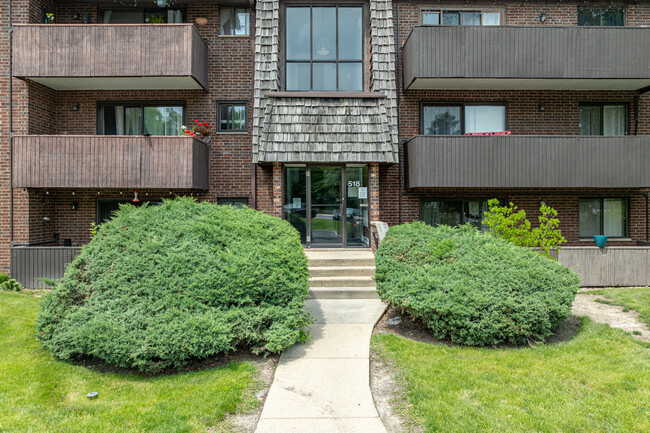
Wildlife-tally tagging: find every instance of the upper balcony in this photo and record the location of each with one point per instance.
(523, 161)
(527, 58)
(111, 56)
(109, 161)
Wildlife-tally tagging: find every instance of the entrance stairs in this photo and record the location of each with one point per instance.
(341, 274)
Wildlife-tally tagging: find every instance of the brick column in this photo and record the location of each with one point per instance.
(374, 202)
(277, 190)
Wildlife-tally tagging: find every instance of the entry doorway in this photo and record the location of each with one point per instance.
(328, 204)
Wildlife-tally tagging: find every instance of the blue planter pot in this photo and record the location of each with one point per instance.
(600, 241)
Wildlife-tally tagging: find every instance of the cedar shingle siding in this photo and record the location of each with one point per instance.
(324, 129)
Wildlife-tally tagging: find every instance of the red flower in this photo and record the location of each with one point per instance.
(196, 121)
(206, 125)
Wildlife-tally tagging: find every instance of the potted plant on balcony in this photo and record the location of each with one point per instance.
(199, 130)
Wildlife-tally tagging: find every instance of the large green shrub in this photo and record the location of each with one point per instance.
(471, 287)
(160, 285)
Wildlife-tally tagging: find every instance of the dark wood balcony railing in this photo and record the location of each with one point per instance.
(522, 161)
(111, 56)
(532, 57)
(81, 161)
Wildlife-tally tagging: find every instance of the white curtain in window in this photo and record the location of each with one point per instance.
(614, 217)
(485, 118)
(491, 18)
(174, 16)
(614, 120)
(119, 120)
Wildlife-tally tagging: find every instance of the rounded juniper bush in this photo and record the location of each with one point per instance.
(473, 288)
(158, 286)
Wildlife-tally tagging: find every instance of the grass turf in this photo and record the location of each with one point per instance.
(637, 299)
(41, 394)
(597, 382)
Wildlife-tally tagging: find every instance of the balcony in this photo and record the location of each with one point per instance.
(521, 161)
(77, 161)
(111, 56)
(527, 58)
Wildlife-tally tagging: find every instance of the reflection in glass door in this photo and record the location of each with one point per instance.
(326, 206)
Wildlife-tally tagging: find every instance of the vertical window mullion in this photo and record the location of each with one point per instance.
(336, 60)
(311, 47)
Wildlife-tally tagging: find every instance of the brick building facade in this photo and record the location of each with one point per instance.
(350, 126)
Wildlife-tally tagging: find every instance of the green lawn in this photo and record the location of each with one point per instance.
(41, 394)
(597, 382)
(637, 299)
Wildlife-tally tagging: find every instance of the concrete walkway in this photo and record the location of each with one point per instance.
(324, 386)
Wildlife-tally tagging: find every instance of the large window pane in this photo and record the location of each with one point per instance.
(324, 76)
(442, 212)
(491, 18)
(588, 17)
(350, 77)
(471, 18)
(234, 21)
(613, 17)
(474, 211)
(590, 217)
(614, 217)
(485, 118)
(590, 120)
(324, 33)
(350, 33)
(123, 17)
(298, 76)
(239, 117)
(298, 33)
(174, 120)
(154, 120)
(431, 18)
(614, 120)
(450, 18)
(440, 120)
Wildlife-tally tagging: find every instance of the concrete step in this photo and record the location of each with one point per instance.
(343, 293)
(341, 282)
(330, 258)
(342, 271)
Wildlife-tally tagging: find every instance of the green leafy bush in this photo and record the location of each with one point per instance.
(508, 223)
(471, 287)
(160, 285)
(8, 284)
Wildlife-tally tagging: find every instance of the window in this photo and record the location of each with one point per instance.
(138, 16)
(603, 216)
(454, 212)
(236, 202)
(458, 18)
(106, 207)
(232, 116)
(601, 17)
(603, 119)
(462, 119)
(324, 48)
(139, 119)
(234, 21)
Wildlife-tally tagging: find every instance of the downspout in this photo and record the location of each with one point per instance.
(11, 138)
(636, 114)
(400, 166)
(253, 166)
(647, 218)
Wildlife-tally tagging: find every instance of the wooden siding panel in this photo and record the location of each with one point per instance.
(610, 266)
(28, 264)
(527, 52)
(110, 50)
(68, 161)
(518, 161)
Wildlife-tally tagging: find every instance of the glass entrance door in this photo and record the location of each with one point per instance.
(328, 205)
(327, 212)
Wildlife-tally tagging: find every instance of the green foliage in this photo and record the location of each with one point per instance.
(8, 284)
(508, 223)
(160, 285)
(471, 287)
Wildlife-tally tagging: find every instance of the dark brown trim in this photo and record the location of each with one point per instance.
(341, 95)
